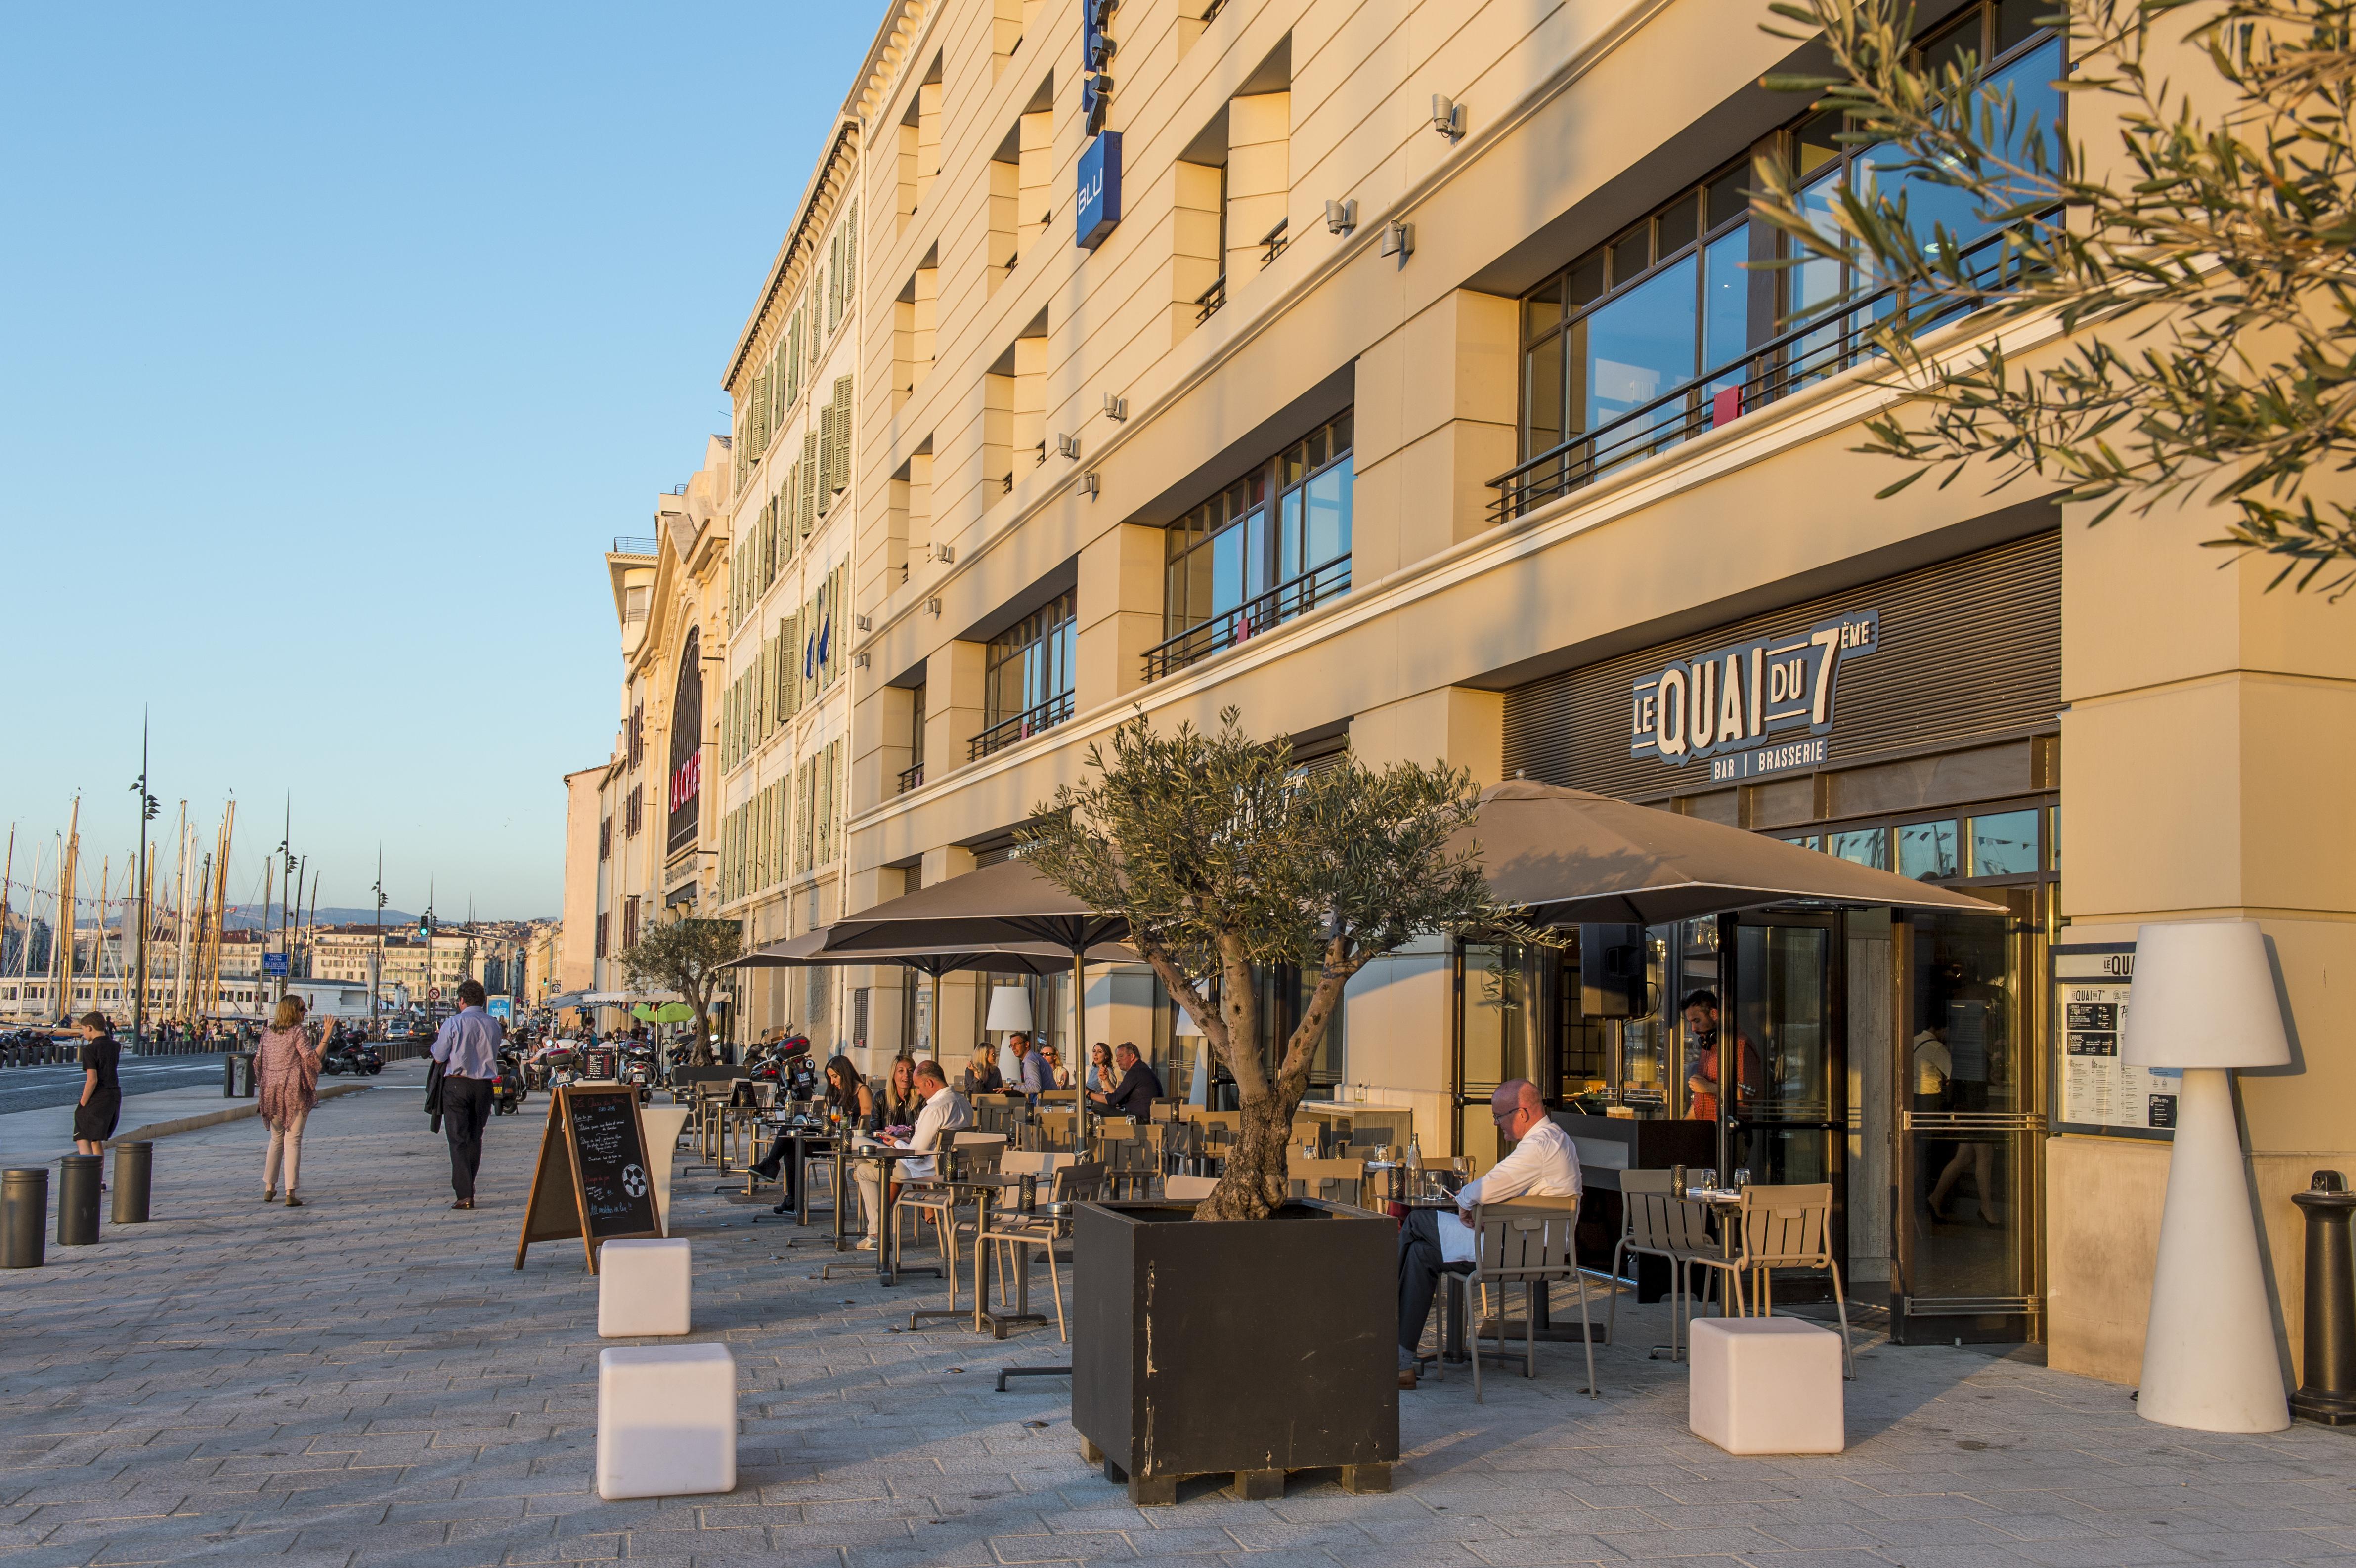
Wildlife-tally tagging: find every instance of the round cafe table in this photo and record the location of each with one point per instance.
(887, 1271)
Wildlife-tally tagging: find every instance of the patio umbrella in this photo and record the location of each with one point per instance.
(674, 1013)
(1008, 905)
(1568, 856)
(810, 948)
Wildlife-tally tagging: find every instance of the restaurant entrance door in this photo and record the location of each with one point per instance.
(1972, 1099)
(1788, 1122)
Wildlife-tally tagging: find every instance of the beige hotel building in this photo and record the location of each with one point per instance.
(1393, 373)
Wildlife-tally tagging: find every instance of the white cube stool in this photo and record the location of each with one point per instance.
(666, 1421)
(643, 1287)
(1766, 1385)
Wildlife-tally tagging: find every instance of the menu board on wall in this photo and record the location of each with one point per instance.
(2095, 1091)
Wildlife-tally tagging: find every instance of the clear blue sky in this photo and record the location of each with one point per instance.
(337, 340)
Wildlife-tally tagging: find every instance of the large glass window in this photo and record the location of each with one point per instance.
(1668, 306)
(1027, 674)
(1268, 547)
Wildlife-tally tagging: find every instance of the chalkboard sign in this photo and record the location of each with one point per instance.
(594, 1179)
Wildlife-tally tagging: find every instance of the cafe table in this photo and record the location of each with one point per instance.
(882, 1155)
(806, 1137)
(982, 1188)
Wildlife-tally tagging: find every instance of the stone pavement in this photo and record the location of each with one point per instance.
(367, 1380)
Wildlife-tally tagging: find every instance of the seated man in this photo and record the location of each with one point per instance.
(1543, 1164)
(945, 1111)
(1138, 1088)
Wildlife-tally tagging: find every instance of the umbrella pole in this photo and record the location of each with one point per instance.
(1080, 1050)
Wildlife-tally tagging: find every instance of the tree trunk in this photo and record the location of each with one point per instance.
(1254, 1185)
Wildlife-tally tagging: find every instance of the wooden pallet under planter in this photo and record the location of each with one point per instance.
(1250, 1348)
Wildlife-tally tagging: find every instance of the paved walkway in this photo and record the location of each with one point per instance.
(367, 1380)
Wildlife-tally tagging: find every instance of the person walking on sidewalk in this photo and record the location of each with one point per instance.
(101, 1091)
(286, 1068)
(469, 1049)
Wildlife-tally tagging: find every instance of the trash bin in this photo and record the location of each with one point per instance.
(78, 1184)
(134, 1164)
(24, 1215)
(237, 1076)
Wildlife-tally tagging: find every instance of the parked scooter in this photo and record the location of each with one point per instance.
(508, 1090)
(353, 1055)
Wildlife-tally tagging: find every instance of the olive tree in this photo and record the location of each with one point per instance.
(685, 955)
(1224, 858)
(2212, 244)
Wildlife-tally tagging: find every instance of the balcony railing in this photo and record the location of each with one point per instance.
(1207, 303)
(912, 779)
(1830, 342)
(1274, 242)
(1295, 597)
(626, 546)
(1022, 726)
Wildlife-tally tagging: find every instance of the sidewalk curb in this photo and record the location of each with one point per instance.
(215, 1118)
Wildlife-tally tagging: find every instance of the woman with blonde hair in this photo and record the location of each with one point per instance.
(286, 1071)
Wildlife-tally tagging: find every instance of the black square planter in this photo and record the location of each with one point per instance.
(1252, 1347)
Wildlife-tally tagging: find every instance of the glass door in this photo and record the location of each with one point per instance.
(1787, 1119)
(1971, 1101)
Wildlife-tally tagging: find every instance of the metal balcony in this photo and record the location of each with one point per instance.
(1295, 597)
(1022, 726)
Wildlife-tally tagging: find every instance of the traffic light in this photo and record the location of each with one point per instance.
(426, 927)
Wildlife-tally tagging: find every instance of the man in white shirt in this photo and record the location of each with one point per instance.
(944, 1111)
(1543, 1164)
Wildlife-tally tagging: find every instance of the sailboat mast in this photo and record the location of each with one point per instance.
(66, 912)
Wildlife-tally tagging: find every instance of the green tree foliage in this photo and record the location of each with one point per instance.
(1222, 856)
(2205, 268)
(685, 955)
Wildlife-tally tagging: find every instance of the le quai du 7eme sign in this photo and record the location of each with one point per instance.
(1752, 708)
(2094, 1089)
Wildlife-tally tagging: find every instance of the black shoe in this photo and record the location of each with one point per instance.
(765, 1171)
(463, 1203)
(785, 1206)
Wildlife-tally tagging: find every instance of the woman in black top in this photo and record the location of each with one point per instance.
(101, 1091)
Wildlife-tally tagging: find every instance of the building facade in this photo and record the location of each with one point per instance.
(1405, 380)
(640, 830)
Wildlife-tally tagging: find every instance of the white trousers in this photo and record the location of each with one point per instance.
(286, 1141)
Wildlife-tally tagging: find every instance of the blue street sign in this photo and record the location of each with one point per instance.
(274, 966)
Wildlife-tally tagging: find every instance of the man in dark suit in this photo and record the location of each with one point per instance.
(1135, 1093)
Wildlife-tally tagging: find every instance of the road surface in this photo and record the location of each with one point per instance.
(35, 1088)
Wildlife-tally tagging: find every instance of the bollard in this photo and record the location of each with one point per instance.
(23, 1215)
(134, 1164)
(2328, 1392)
(78, 1184)
(229, 1077)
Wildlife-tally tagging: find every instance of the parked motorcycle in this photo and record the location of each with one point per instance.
(508, 1090)
(356, 1057)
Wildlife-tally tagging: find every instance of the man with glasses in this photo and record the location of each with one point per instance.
(1543, 1164)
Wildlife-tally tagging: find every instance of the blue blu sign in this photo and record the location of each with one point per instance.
(274, 966)
(1735, 704)
(1099, 189)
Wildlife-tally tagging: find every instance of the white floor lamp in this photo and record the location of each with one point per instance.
(1185, 1029)
(2203, 1000)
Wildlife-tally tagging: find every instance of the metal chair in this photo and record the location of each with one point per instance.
(1782, 1228)
(1656, 1222)
(1532, 1244)
(974, 1153)
(1075, 1184)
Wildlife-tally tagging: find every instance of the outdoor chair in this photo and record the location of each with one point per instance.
(1656, 1222)
(1054, 1130)
(973, 1153)
(1528, 1243)
(1019, 1234)
(1336, 1181)
(1188, 1188)
(1782, 1228)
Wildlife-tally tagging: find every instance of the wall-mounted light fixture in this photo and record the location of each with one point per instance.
(864, 623)
(1341, 217)
(933, 606)
(1447, 116)
(1399, 240)
(1116, 408)
(944, 553)
(859, 661)
(1089, 485)
(1068, 446)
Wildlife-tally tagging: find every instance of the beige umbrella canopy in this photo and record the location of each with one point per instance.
(1568, 856)
(810, 948)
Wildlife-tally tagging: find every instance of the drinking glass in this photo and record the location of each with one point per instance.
(1710, 1177)
(1741, 1177)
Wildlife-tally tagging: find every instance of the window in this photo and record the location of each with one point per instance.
(1658, 334)
(606, 838)
(1239, 565)
(2004, 844)
(913, 775)
(1027, 674)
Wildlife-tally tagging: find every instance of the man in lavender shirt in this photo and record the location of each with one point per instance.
(469, 1049)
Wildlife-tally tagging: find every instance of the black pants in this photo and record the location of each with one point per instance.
(780, 1162)
(465, 1110)
(1419, 1265)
